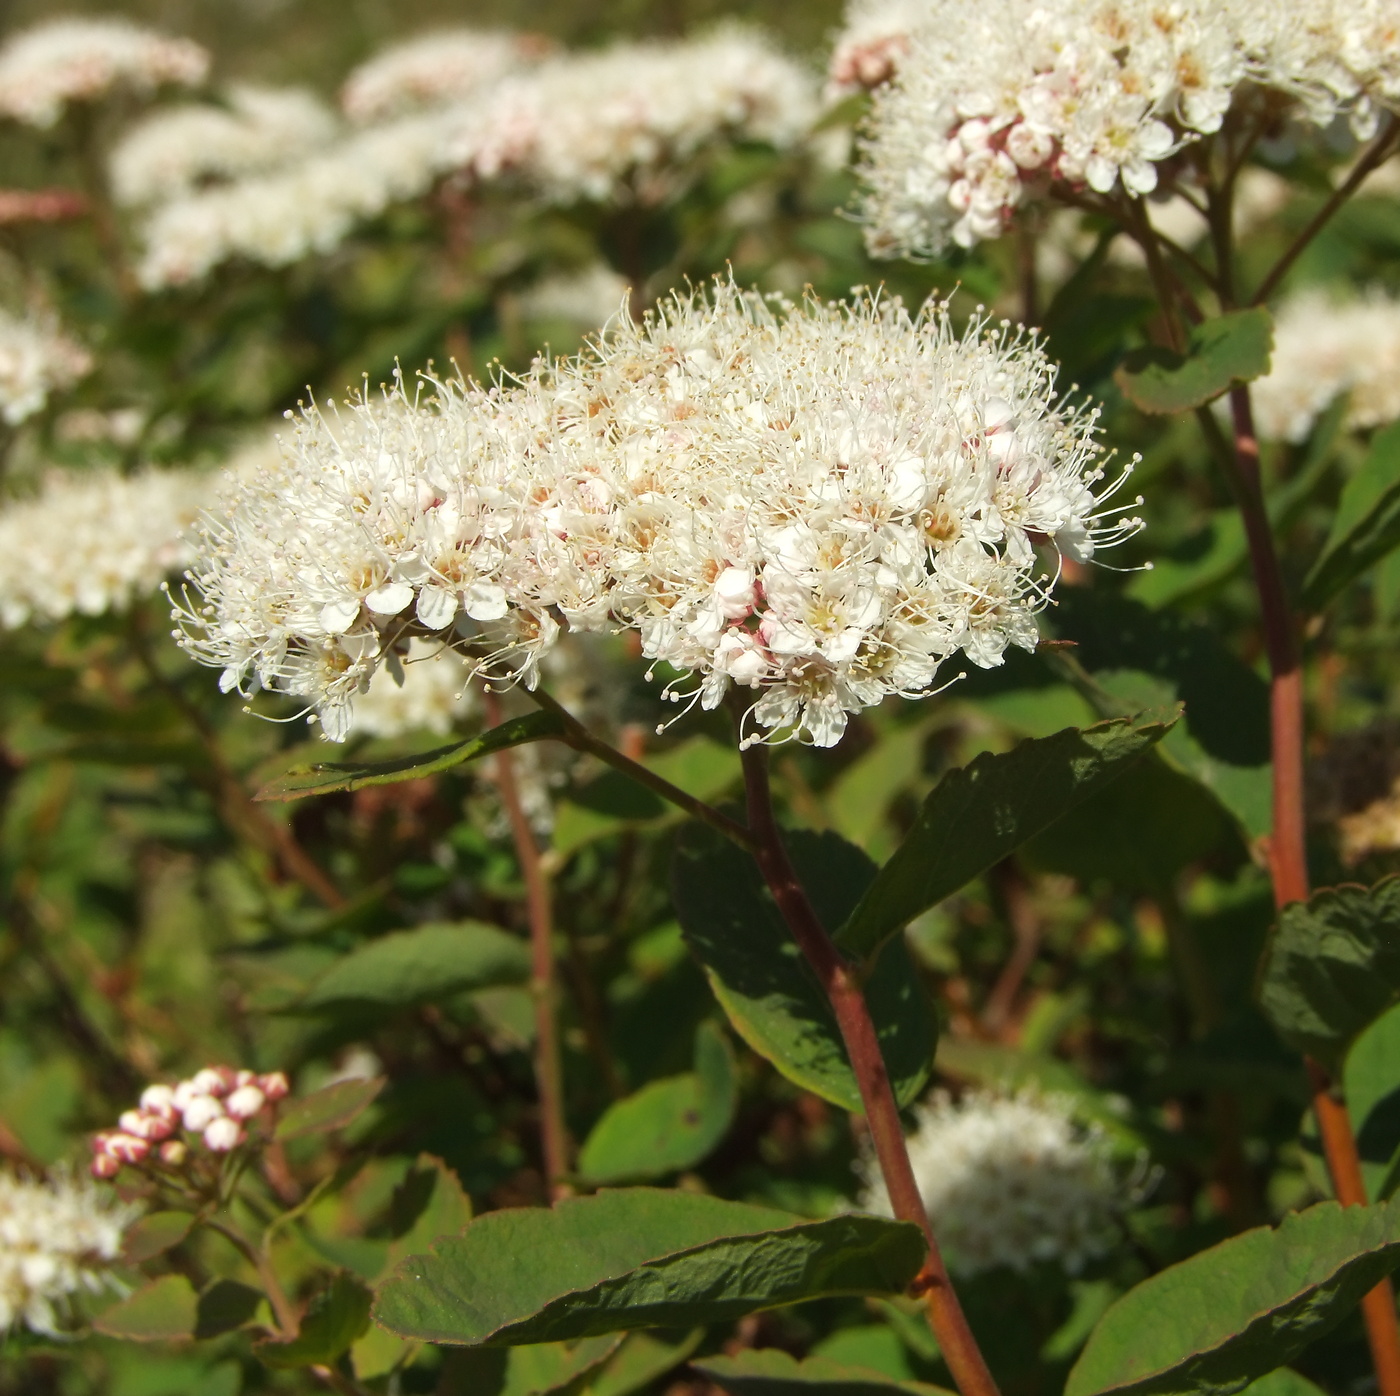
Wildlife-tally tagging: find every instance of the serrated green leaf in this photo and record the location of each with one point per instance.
(161, 1311)
(334, 1319)
(327, 1109)
(763, 983)
(154, 1233)
(1332, 967)
(424, 965)
(1231, 1314)
(668, 1125)
(979, 813)
(635, 1258)
(1367, 524)
(1228, 350)
(1371, 1088)
(321, 778)
(773, 1372)
(428, 1203)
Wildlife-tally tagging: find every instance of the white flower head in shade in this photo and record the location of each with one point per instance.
(1011, 1180)
(36, 359)
(178, 150)
(1322, 349)
(59, 1237)
(434, 70)
(432, 692)
(44, 69)
(589, 297)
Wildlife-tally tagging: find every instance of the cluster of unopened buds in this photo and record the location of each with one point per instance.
(215, 1104)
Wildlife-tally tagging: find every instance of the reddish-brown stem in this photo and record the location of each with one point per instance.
(549, 1074)
(842, 986)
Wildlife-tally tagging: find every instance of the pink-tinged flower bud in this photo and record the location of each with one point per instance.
(158, 1127)
(159, 1099)
(223, 1134)
(202, 1111)
(127, 1148)
(274, 1085)
(210, 1081)
(98, 1142)
(173, 1152)
(105, 1166)
(183, 1093)
(244, 1078)
(244, 1103)
(133, 1122)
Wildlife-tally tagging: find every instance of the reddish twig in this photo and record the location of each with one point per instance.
(41, 205)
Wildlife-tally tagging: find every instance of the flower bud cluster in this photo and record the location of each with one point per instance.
(815, 502)
(36, 359)
(871, 45)
(44, 69)
(216, 1105)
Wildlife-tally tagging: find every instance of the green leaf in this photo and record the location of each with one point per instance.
(377, 1353)
(642, 1359)
(1284, 1382)
(154, 1233)
(1367, 523)
(328, 1109)
(1233, 1313)
(321, 778)
(1332, 967)
(224, 1306)
(635, 1258)
(1221, 353)
(762, 980)
(161, 1311)
(979, 813)
(668, 1125)
(773, 1372)
(428, 1203)
(1371, 1087)
(334, 1319)
(423, 965)
(540, 1369)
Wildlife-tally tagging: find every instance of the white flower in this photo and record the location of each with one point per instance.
(177, 150)
(58, 1238)
(45, 68)
(1009, 1180)
(36, 359)
(432, 693)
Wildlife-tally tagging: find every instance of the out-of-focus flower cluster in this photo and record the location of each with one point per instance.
(991, 101)
(59, 1237)
(214, 1108)
(45, 69)
(435, 695)
(817, 502)
(1009, 1180)
(36, 359)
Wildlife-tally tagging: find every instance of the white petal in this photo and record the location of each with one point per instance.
(486, 601)
(339, 616)
(436, 607)
(389, 599)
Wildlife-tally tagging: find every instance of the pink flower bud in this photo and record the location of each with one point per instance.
(127, 1148)
(201, 1112)
(244, 1078)
(210, 1081)
(105, 1166)
(244, 1103)
(133, 1122)
(98, 1142)
(274, 1085)
(183, 1094)
(158, 1100)
(223, 1134)
(173, 1152)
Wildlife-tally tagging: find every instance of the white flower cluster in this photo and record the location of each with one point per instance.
(58, 1238)
(180, 149)
(1007, 96)
(435, 696)
(435, 70)
(1323, 349)
(36, 359)
(588, 298)
(817, 502)
(45, 68)
(1009, 1180)
(873, 42)
(216, 1104)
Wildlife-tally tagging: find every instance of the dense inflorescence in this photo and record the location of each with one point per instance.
(993, 101)
(815, 502)
(434, 695)
(45, 69)
(36, 359)
(1009, 1180)
(59, 1238)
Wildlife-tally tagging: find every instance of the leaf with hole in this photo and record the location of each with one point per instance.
(1332, 967)
(1233, 1313)
(762, 981)
(161, 1311)
(329, 1108)
(635, 1258)
(773, 1372)
(979, 813)
(668, 1125)
(1221, 353)
(1366, 525)
(334, 1319)
(324, 777)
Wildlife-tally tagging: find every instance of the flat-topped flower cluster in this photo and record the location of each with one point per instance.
(990, 102)
(816, 502)
(36, 359)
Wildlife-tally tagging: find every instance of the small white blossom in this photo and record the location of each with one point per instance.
(58, 1238)
(44, 69)
(1009, 1180)
(36, 359)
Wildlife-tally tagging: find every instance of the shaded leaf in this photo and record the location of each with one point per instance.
(1221, 353)
(979, 813)
(1230, 1314)
(762, 980)
(323, 777)
(224, 1306)
(377, 1353)
(773, 1372)
(423, 965)
(334, 1319)
(328, 1108)
(642, 1359)
(541, 1369)
(161, 1311)
(1332, 967)
(154, 1233)
(1367, 523)
(635, 1258)
(1371, 1088)
(668, 1125)
(428, 1203)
